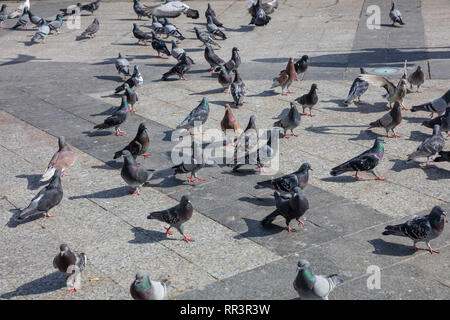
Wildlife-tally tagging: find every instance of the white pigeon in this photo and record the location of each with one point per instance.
(18, 12)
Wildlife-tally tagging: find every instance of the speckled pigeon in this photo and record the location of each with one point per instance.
(205, 37)
(135, 80)
(358, 88)
(62, 159)
(288, 182)
(421, 228)
(139, 145)
(290, 122)
(143, 288)
(259, 16)
(238, 89)
(135, 176)
(389, 121)
(72, 264)
(438, 105)
(430, 146)
(212, 58)
(172, 30)
(393, 93)
(416, 78)
(117, 118)
(213, 29)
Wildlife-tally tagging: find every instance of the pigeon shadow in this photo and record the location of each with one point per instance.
(265, 202)
(142, 235)
(340, 179)
(110, 165)
(132, 44)
(362, 108)
(33, 180)
(14, 222)
(265, 93)
(194, 49)
(339, 102)
(389, 25)
(163, 65)
(80, 38)
(242, 28)
(48, 283)
(207, 92)
(117, 192)
(385, 248)
(415, 120)
(110, 78)
(108, 111)
(435, 173)
(168, 179)
(329, 129)
(222, 103)
(22, 58)
(256, 230)
(402, 164)
(100, 133)
(418, 136)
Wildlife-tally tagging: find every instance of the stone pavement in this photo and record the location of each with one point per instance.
(66, 87)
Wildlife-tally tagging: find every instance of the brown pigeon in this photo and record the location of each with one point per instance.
(416, 78)
(62, 159)
(285, 79)
(229, 122)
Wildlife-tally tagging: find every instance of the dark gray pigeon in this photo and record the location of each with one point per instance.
(92, 29)
(421, 228)
(390, 120)
(197, 116)
(210, 12)
(301, 66)
(117, 118)
(225, 79)
(366, 161)
(196, 162)
(141, 35)
(288, 182)
(430, 146)
(134, 81)
(134, 175)
(259, 16)
(358, 88)
(132, 97)
(123, 66)
(159, 45)
(238, 89)
(213, 29)
(72, 264)
(293, 208)
(183, 66)
(140, 10)
(143, 288)
(290, 122)
(213, 59)
(23, 20)
(442, 121)
(205, 37)
(233, 63)
(48, 198)
(313, 287)
(34, 19)
(139, 145)
(246, 143)
(3, 15)
(91, 7)
(309, 100)
(438, 105)
(176, 216)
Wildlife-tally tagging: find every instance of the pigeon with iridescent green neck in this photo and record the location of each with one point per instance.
(117, 118)
(3, 15)
(197, 116)
(72, 264)
(34, 19)
(122, 66)
(183, 66)
(139, 145)
(133, 174)
(42, 33)
(225, 79)
(62, 159)
(430, 146)
(143, 288)
(23, 21)
(366, 161)
(438, 105)
(212, 58)
(56, 24)
(46, 199)
(132, 97)
(313, 287)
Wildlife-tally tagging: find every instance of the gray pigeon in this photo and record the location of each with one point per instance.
(34, 19)
(442, 121)
(3, 15)
(92, 29)
(197, 116)
(290, 122)
(135, 80)
(395, 15)
(48, 198)
(438, 105)
(143, 288)
(157, 26)
(139, 145)
(159, 45)
(233, 63)
(416, 78)
(293, 208)
(183, 66)
(390, 120)
(117, 118)
(288, 182)
(141, 35)
(213, 29)
(225, 79)
(134, 175)
(176, 216)
(213, 59)
(56, 24)
(42, 33)
(23, 21)
(132, 97)
(205, 37)
(123, 66)
(313, 287)
(72, 264)
(140, 10)
(259, 16)
(309, 100)
(238, 89)
(171, 30)
(430, 146)
(195, 163)
(358, 88)
(176, 51)
(210, 12)
(421, 228)
(246, 143)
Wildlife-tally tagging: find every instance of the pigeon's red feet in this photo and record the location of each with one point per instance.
(357, 177)
(284, 94)
(405, 109)
(50, 215)
(188, 239)
(381, 178)
(286, 137)
(389, 136)
(168, 231)
(289, 229)
(191, 179)
(133, 110)
(73, 289)
(415, 248)
(134, 192)
(297, 79)
(290, 91)
(304, 112)
(261, 169)
(311, 115)
(226, 91)
(183, 78)
(294, 134)
(396, 135)
(300, 223)
(146, 155)
(120, 133)
(417, 91)
(432, 250)
(200, 179)
(431, 115)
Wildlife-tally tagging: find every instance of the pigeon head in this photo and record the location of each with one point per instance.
(95, 21)
(304, 58)
(141, 275)
(4, 7)
(25, 11)
(185, 199)
(59, 17)
(436, 214)
(209, 19)
(61, 142)
(63, 249)
(127, 156)
(436, 129)
(235, 49)
(174, 44)
(142, 127)
(196, 30)
(305, 166)
(419, 68)
(313, 87)
(446, 97)
(120, 56)
(56, 179)
(134, 26)
(205, 102)
(303, 264)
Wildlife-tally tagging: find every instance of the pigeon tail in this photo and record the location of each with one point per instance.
(48, 174)
(396, 230)
(270, 218)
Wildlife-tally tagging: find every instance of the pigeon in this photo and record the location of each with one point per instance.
(358, 88)
(46, 199)
(132, 96)
(197, 116)
(268, 7)
(211, 13)
(139, 145)
(159, 45)
(3, 15)
(285, 79)
(171, 30)
(395, 15)
(56, 24)
(229, 122)
(393, 93)
(176, 51)
(41, 33)
(183, 66)
(91, 7)
(117, 118)
(290, 122)
(238, 90)
(123, 66)
(438, 105)
(19, 10)
(143, 288)
(173, 9)
(442, 121)
(416, 78)
(301, 66)
(233, 63)
(205, 37)
(140, 10)
(247, 141)
(366, 161)
(133, 174)
(92, 29)
(213, 59)
(443, 156)
(259, 17)
(421, 228)
(313, 287)
(71, 10)
(225, 80)
(176, 216)
(293, 208)
(309, 100)
(72, 264)
(141, 35)
(157, 26)
(213, 29)
(288, 182)
(389, 121)
(430, 146)
(37, 21)
(135, 80)
(23, 21)
(62, 159)
(194, 164)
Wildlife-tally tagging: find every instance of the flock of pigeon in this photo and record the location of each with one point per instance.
(290, 201)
